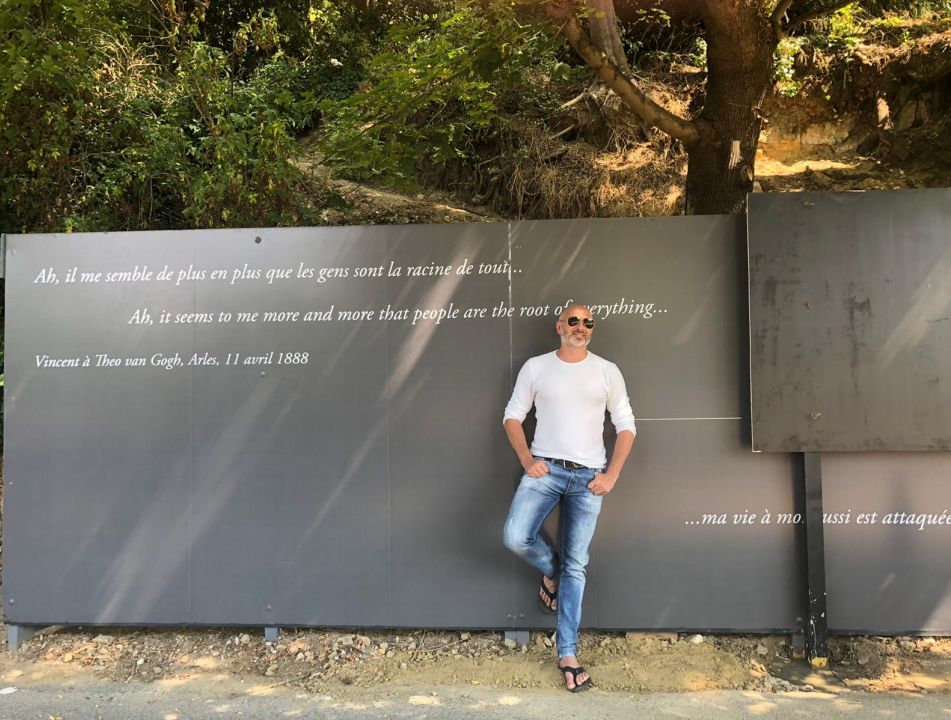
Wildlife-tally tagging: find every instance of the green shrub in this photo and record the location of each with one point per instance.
(915, 8)
(100, 133)
(842, 31)
(784, 68)
(435, 87)
(241, 144)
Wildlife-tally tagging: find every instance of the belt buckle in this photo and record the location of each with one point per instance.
(567, 464)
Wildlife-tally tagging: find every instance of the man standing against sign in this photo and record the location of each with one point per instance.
(570, 389)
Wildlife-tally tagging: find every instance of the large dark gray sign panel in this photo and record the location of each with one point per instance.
(304, 427)
(850, 320)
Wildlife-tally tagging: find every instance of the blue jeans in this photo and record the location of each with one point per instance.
(534, 501)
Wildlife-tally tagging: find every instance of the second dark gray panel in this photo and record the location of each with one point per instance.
(886, 536)
(450, 479)
(667, 295)
(290, 518)
(849, 320)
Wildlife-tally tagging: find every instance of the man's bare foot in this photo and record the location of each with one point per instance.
(547, 594)
(576, 678)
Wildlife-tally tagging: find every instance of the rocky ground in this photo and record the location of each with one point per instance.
(349, 661)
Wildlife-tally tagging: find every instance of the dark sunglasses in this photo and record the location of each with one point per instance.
(588, 322)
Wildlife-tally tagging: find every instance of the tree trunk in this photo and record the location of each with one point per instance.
(602, 23)
(721, 167)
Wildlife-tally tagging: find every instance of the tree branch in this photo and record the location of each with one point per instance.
(776, 19)
(602, 27)
(814, 14)
(687, 132)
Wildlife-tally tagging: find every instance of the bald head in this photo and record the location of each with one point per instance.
(574, 307)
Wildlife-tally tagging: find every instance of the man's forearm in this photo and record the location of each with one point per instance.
(622, 448)
(604, 482)
(516, 435)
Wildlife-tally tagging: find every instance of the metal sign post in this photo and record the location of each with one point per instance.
(816, 620)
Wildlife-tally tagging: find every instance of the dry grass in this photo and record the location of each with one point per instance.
(604, 164)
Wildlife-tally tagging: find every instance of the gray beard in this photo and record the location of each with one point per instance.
(575, 342)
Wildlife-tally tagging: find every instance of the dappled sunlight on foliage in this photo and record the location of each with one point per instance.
(152, 114)
(434, 88)
(118, 115)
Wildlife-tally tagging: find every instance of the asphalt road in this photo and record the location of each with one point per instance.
(227, 698)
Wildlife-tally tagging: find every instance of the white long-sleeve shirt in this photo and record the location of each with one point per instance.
(570, 400)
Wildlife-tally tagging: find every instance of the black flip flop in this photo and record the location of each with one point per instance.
(574, 672)
(549, 596)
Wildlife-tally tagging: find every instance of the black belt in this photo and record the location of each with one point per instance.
(567, 464)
